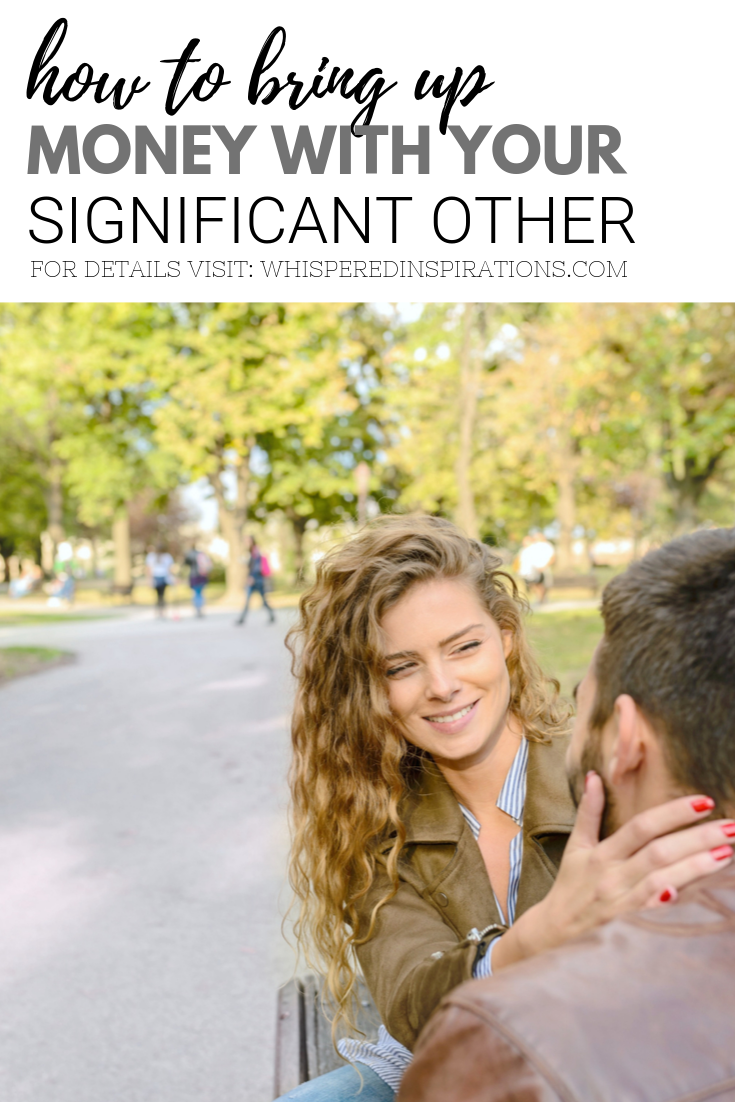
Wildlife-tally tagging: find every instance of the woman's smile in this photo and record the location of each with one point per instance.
(452, 722)
(445, 662)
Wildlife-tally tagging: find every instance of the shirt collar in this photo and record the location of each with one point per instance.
(512, 796)
(432, 814)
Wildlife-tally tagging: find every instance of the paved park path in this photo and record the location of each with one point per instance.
(143, 845)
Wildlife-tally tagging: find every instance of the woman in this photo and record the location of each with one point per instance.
(199, 564)
(430, 802)
(256, 582)
(158, 567)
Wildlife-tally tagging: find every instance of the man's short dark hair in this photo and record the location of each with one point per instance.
(670, 644)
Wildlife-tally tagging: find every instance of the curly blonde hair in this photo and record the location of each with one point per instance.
(351, 763)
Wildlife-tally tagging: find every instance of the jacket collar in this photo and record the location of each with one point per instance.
(432, 813)
(549, 808)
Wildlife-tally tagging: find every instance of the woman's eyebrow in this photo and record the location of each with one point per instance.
(443, 643)
(400, 654)
(458, 634)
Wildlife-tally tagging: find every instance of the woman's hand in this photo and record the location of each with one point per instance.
(643, 864)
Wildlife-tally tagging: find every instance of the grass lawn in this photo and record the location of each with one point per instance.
(28, 617)
(564, 642)
(17, 661)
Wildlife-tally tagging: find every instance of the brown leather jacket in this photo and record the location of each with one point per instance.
(642, 1010)
(422, 946)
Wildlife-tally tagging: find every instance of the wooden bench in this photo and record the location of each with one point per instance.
(118, 590)
(576, 581)
(304, 1048)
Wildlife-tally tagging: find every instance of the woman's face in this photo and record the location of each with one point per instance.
(446, 672)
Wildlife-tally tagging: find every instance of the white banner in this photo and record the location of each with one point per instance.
(472, 151)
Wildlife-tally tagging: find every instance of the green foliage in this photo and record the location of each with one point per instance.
(75, 387)
(679, 375)
(22, 504)
(617, 418)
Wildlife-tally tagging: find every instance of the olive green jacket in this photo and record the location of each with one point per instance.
(426, 938)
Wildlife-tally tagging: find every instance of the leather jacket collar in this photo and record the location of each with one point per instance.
(432, 815)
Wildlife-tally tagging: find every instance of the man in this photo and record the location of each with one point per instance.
(643, 1009)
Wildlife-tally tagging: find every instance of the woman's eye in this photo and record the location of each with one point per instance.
(394, 671)
(469, 646)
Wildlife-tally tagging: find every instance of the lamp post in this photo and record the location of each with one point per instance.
(362, 482)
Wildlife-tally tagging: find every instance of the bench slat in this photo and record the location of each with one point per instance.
(290, 1053)
(575, 581)
(304, 1048)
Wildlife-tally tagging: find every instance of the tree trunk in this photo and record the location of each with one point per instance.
(54, 493)
(123, 568)
(469, 381)
(7, 549)
(362, 484)
(687, 485)
(232, 517)
(298, 527)
(566, 503)
(47, 552)
(235, 573)
(55, 506)
(567, 516)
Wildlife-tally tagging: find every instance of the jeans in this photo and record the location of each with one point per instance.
(258, 586)
(197, 592)
(160, 588)
(343, 1085)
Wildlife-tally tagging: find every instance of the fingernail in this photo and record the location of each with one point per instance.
(587, 779)
(703, 803)
(667, 895)
(721, 853)
(729, 830)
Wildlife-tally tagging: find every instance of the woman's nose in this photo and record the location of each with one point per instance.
(442, 683)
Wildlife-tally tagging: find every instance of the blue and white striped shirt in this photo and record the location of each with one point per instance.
(387, 1057)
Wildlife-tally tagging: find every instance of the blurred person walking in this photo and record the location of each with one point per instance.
(534, 563)
(158, 565)
(258, 572)
(200, 565)
(29, 580)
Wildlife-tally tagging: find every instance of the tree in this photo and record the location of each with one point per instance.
(470, 367)
(552, 402)
(241, 379)
(22, 504)
(75, 376)
(680, 378)
(442, 391)
(39, 398)
(313, 464)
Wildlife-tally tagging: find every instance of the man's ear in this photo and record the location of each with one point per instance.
(628, 747)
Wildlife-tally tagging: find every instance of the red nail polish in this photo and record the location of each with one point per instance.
(729, 830)
(721, 853)
(703, 803)
(665, 896)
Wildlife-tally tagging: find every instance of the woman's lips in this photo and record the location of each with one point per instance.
(454, 721)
